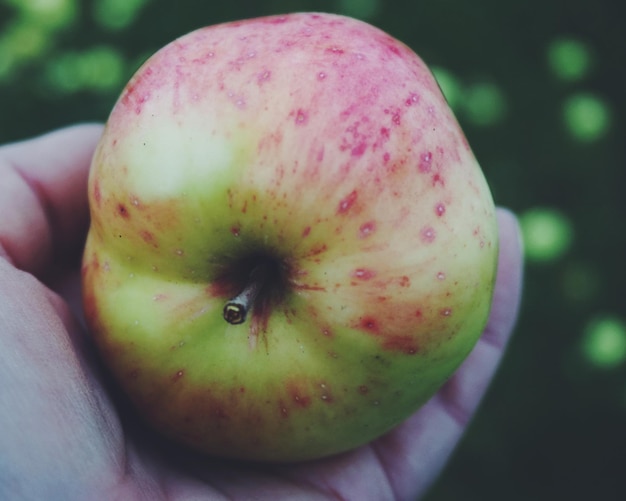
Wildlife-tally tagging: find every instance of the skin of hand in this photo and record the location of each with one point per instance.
(65, 431)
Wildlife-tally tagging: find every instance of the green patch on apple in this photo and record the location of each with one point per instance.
(292, 246)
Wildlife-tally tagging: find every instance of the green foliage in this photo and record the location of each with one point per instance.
(116, 14)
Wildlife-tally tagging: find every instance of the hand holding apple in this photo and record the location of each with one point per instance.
(292, 245)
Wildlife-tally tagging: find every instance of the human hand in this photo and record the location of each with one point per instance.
(65, 434)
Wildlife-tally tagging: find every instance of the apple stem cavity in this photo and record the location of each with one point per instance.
(236, 309)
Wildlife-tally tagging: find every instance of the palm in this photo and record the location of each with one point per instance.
(62, 435)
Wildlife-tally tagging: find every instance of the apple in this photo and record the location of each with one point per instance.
(292, 245)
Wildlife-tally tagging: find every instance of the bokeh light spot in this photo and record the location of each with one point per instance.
(117, 14)
(362, 9)
(31, 32)
(586, 117)
(21, 41)
(63, 73)
(604, 342)
(103, 68)
(99, 69)
(548, 234)
(450, 86)
(569, 59)
(50, 14)
(484, 104)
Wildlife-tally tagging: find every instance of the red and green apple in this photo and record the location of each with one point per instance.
(292, 245)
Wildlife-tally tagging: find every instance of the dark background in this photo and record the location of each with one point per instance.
(539, 88)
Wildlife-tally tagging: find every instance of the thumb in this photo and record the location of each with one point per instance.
(43, 196)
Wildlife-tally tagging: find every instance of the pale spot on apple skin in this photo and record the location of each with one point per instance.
(176, 346)
(440, 209)
(264, 77)
(346, 203)
(428, 235)
(441, 276)
(297, 395)
(412, 99)
(369, 324)
(335, 50)
(446, 312)
(326, 395)
(363, 274)
(302, 117)
(177, 376)
(367, 229)
(426, 162)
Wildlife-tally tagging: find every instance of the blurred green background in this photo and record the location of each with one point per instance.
(539, 88)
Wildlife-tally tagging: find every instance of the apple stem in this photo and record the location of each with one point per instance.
(236, 310)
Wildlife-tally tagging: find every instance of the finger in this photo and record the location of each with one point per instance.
(419, 448)
(59, 430)
(43, 195)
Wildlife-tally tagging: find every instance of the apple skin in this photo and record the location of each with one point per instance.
(322, 147)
